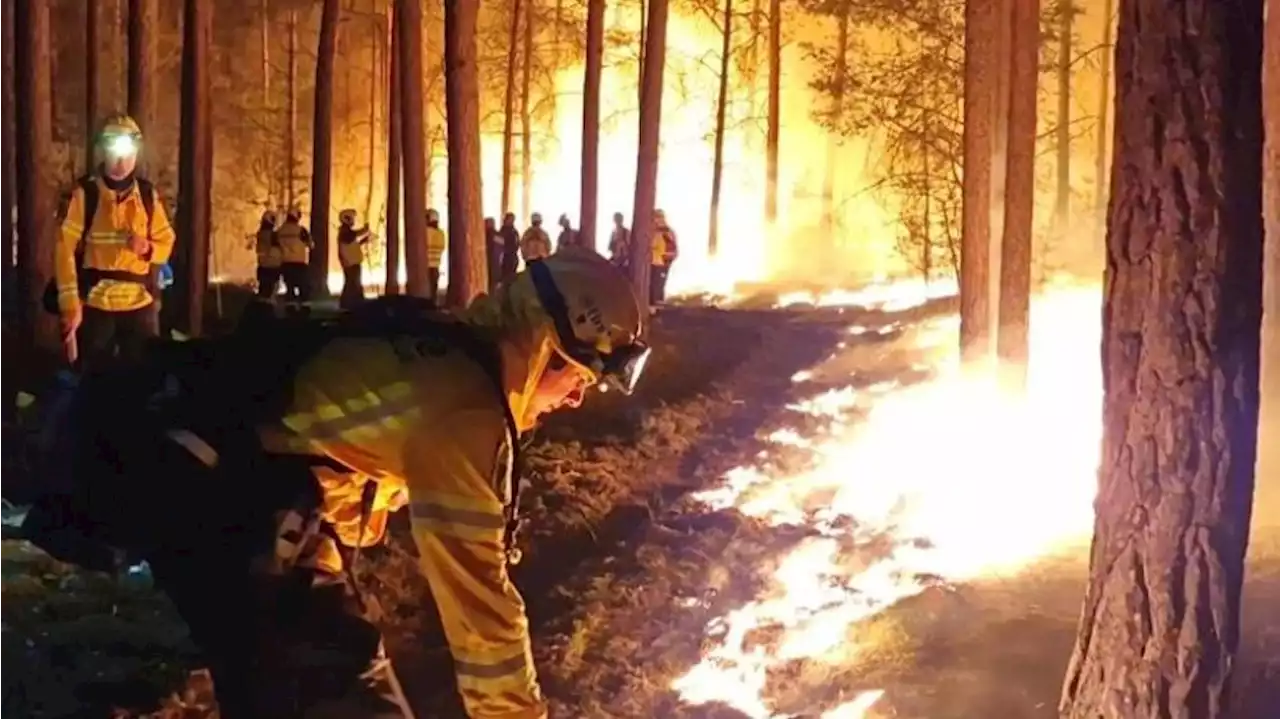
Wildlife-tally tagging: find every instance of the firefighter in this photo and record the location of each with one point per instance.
(351, 242)
(295, 250)
(436, 244)
(665, 251)
(114, 238)
(493, 251)
(568, 236)
(620, 245)
(267, 247)
(510, 246)
(535, 244)
(369, 421)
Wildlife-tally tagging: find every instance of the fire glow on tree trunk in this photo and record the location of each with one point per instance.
(36, 193)
(1062, 194)
(142, 38)
(322, 148)
(717, 167)
(7, 139)
(409, 35)
(1102, 157)
(291, 131)
(394, 162)
(1180, 344)
(526, 118)
(468, 266)
(192, 250)
(591, 123)
(92, 16)
(508, 116)
(981, 33)
(655, 55)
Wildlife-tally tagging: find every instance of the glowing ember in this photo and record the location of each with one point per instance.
(954, 478)
(885, 296)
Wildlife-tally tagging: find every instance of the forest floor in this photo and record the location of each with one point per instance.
(701, 524)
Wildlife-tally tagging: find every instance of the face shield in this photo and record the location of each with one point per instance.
(619, 369)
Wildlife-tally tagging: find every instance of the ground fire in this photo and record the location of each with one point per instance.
(765, 359)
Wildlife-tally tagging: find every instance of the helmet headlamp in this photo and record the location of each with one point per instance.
(123, 145)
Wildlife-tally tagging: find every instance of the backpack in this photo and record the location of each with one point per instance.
(86, 279)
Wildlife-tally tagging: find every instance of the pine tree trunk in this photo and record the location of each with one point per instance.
(644, 18)
(35, 167)
(773, 134)
(142, 41)
(322, 148)
(526, 118)
(468, 266)
(409, 19)
(265, 40)
(999, 154)
(8, 136)
(508, 116)
(833, 144)
(1180, 340)
(1062, 193)
(655, 55)
(291, 133)
(717, 166)
(376, 82)
(1102, 158)
(394, 159)
(588, 214)
(1019, 197)
(980, 68)
(192, 250)
(92, 89)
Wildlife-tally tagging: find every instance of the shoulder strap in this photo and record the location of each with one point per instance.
(89, 186)
(148, 192)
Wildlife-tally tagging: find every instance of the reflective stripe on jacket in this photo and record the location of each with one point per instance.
(269, 254)
(665, 249)
(295, 243)
(535, 244)
(350, 247)
(425, 418)
(106, 248)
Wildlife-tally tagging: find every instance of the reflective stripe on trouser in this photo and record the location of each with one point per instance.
(459, 516)
(494, 673)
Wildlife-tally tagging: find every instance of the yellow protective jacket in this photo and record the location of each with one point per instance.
(295, 243)
(106, 248)
(535, 244)
(351, 245)
(665, 248)
(427, 420)
(269, 253)
(436, 244)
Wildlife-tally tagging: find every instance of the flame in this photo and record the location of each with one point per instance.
(962, 479)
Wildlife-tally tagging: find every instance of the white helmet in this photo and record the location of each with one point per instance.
(536, 218)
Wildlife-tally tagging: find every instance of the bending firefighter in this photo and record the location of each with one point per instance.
(389, 406)
(114, 239)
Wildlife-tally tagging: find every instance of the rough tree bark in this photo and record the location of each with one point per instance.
(1019, 196)
(980, 67)
(655, 57)
(1183, 296)
(1062, 134)
(717, 166)
(37, 191)
(376, 82)
(92, 88)
(409, 35)
(142, 52)
(590, 194)
(291, 131)
(8, 135)
(773, 133)
(1102, 158)
(833, 136)
(192, 252)
(468, 265)
(509, 99)
(526, 117)
(394, 161)
(322, 148)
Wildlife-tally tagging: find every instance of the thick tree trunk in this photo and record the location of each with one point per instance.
(291, 132)
(655, 55)
(468, 265)
(1062, 192)
(717, 167)
(92, 89)
(8, 136)
(833, 135)
(322, 148)
(981, 32)
(508, 116)
(409, 20)
(376, 82)
(142, 40)
(590, 194)
(1102, 158)
(192, 251)
(1160, 624)
(526, 118)
(35, 166)
(394, 160)
(1019, 196)
(644, 18)
(773, 133)
(264, 12)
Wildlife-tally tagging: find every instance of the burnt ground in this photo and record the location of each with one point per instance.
(624, 570)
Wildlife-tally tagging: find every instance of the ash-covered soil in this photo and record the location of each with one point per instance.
(80, 644)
